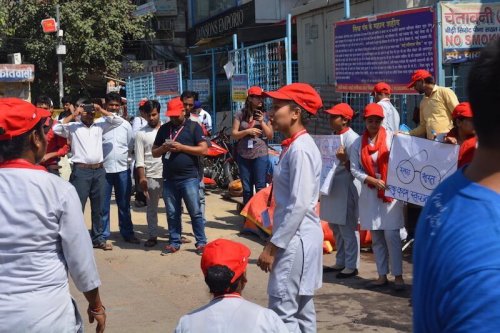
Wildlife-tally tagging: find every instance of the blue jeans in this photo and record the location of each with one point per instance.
(252, 173)
(122, 183)
(188, 190)
(90, 184)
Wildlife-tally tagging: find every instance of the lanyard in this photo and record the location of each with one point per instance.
(177, 134)
(288, 142)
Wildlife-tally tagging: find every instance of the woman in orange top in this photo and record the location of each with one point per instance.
(463, 133)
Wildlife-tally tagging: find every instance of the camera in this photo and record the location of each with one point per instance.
(89, 108)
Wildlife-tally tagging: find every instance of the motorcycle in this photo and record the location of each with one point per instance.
(220, 167)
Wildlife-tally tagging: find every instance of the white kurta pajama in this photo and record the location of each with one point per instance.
(42, 237)
(383, 219)
(297, 269)
(340, 209)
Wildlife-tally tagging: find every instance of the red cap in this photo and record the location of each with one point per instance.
(373, 109)
(419, 74)
(18, 117)
(142, 102)
(342, 109)
(175, 107)
(462, 110)
(381, 88)
(301, 93)
(255, 91)
(224, 252)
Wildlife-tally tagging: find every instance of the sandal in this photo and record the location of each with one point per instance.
(151, 242)
(185, 240)
(104, 246)
(169, 249)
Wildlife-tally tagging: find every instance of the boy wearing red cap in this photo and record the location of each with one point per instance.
(382, 95)
(463, 133)
(457, 244)
(435, 108)
(294, 254)
(43, 236)
(224, 264)
(382, 215)
(179, 143)
(340, 206)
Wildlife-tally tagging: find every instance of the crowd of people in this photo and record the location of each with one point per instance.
(457, 237)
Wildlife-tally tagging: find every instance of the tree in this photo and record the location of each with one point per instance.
(94, 35)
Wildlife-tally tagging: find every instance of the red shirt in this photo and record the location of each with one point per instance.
(55, 143)
(467, 148)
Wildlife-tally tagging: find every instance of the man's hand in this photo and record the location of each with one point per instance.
(377, 183)
(176, 147)
(341, 154)
(143, 184)
(266, 258)
(100, 317)
(451, 140)
(48, 156)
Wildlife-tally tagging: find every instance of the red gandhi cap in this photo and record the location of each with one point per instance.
(18, 117)
(175, 107)
(301, 93)
(419, 74)
(255, 91)
(462, 110)
(223, 252)
(381, 88)
(373, 109)
(341, 109)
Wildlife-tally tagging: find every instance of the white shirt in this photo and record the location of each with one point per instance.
(86, 142)
(374, 214)
(43, 237)
(230, 315)
(138, 123)
(391, 115)
(116, 144)
(344, 188)
(206, 119)
(153, 167)
(296, 182)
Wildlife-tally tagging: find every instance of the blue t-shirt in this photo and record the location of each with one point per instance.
(456, 277)
(180, 166)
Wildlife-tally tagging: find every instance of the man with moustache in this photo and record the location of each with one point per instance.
(180, 142)
(435, 108)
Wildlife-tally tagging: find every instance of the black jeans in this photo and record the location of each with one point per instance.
(90, 183)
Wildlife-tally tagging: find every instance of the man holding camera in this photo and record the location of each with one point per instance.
(88, 175)
(180, 142)
(117, 143)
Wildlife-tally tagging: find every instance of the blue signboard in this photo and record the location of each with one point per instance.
(387, 48)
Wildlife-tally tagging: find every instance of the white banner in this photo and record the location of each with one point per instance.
(417, 166)
(328, 146)
(467, 28)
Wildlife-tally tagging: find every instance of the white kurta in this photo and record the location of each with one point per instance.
(374, 214)
(117, 143)
(42, 237)
(295, 222)
(228, 315)
(391, 115)
(344, 188)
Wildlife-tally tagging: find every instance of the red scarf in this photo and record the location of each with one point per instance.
(367, 150)
(19, 163)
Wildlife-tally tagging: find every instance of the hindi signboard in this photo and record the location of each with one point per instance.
(239, 86)
(417, 166)
(466, 28)
(167, 82)
(17, 73)
(388, 47)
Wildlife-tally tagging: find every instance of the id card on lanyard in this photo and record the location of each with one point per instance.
(172, 140)
(251, 140)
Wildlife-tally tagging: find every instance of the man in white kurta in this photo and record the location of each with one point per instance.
(297, 269)
(384, 220)
(382, 94)
(43, 237)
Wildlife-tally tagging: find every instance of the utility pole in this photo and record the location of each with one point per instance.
(60, 51)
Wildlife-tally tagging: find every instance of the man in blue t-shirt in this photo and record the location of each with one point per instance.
(180, 142)
(457, 244)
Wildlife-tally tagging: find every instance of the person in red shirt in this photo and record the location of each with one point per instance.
(463, 133)
(57, 146)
